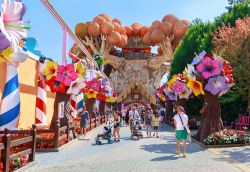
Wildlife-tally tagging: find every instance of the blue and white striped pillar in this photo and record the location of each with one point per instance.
(10, 105)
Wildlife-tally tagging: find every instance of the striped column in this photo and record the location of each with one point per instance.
(76, 103)
(79, 100)
(41, 99)
(10, 105)
(73, 103)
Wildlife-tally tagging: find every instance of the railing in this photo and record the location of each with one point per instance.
(52, 139)
(9, 142)
(56, 136)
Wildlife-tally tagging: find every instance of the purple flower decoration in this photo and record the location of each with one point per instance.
(197, 59)
(104, 82)
(171, 95)
(209, 68)
(178, 87)
(216, 85)
(4, 42)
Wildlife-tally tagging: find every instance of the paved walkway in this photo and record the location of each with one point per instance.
(145, 155)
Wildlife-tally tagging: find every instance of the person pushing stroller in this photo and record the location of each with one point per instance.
(133, 116)
(106, 135)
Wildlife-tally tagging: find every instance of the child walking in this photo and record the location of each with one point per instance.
(155, 124)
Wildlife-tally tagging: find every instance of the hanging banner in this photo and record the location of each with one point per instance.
(61, 109)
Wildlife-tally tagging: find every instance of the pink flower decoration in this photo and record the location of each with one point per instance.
(209, 67)
(178, 87)
(66, 74)
(95, 84)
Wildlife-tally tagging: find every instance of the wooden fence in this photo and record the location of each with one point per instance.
(9, 141)
(61, 134)
(58, 135)
(14, 138)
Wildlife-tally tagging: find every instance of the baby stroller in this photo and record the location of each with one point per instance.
(137, 130)
(106, 135)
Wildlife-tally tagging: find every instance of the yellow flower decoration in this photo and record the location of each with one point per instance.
(91, 94)
(109, 99)
(98, 75)
(172, 81)
(50, 70)
(162, 97)
(80, 70)
(5, 54)
(195, 86)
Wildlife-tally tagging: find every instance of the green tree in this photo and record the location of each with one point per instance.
(198, 38)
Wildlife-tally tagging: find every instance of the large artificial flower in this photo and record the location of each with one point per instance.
(4, 42)
(172, 81)
(109, 99)
(11, 24)
(76, 86)
(209, 67)
(66, 74)
(5, 54)
(185, 94)
(101, 97)
(227, 71)
(197, 59)
(91, 94)
(95, 84)
(18, 56)
(190, 71)
(160, 90)
(104, 82)
(56, 86)
(50, 70)
(80, 70)
(114, 94)
(108, 91)
(178, 87)
(216, 85)
(196, 87)
(87, 87)
(98, 75)
(171, 95)
(162, 97)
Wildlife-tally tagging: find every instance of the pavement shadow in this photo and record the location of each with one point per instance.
(159, 148)
(238, 154)
(165, 158)
(170, 148)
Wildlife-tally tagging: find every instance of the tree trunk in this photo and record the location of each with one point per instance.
(89, 106)
(183, 103)
(60, 97)
(212, 119)
(248, 107)
(169, 111)
(102, 108)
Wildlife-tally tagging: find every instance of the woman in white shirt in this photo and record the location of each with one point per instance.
(181, 130)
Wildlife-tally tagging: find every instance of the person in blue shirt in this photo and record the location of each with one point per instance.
(84, 122)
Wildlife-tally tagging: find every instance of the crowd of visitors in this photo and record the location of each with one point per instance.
(151, 121)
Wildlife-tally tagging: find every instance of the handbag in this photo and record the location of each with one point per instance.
(186, 128)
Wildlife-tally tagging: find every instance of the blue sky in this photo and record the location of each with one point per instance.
(49, 33)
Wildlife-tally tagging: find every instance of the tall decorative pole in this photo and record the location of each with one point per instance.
(10, 106)
(64, 48)
(79, 102)
(41, 98)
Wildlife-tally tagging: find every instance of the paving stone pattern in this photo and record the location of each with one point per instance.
(145, 155)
